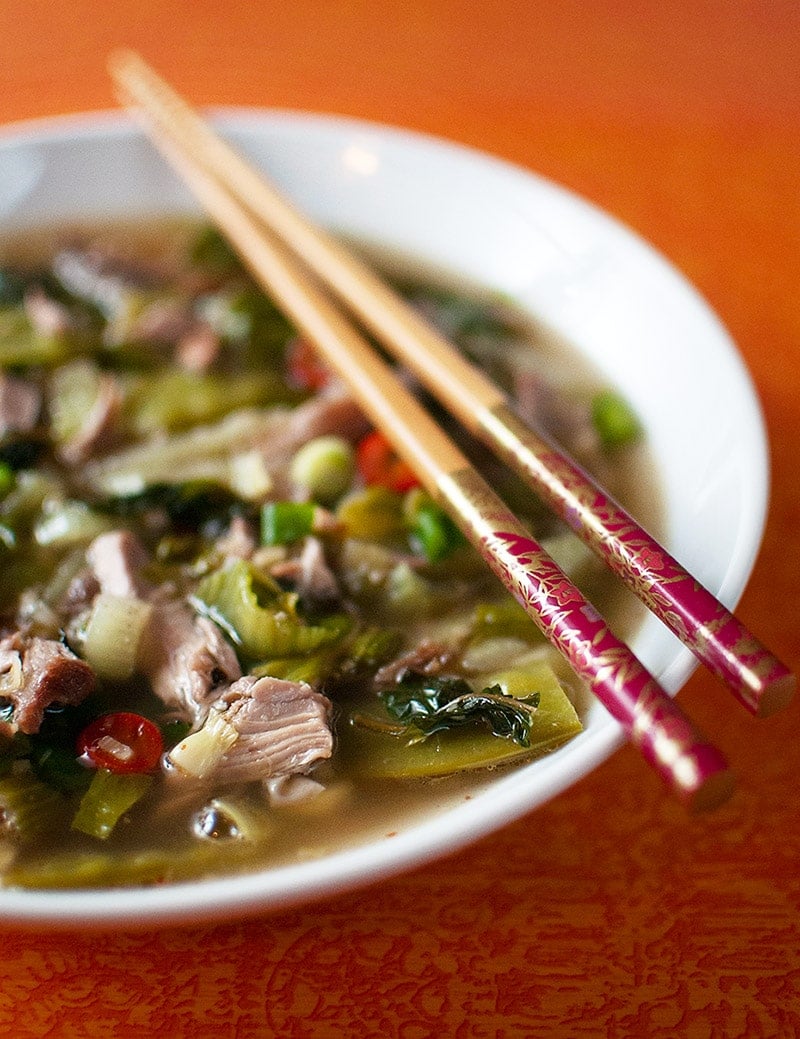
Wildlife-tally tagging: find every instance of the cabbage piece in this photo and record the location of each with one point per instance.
(260, 618)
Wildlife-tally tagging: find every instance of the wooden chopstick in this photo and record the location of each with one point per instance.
(716, 637)
(692, 767)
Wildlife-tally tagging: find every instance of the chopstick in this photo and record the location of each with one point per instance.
(693, 768)
(714, 635)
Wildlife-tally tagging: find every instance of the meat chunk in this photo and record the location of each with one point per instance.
(116, 559)
(332, 411)
(313, 579)
(187, 659)
(283, 727)
(20, 404)
(428, 658)
(35, 673)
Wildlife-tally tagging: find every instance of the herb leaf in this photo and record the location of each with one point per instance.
(430, 705)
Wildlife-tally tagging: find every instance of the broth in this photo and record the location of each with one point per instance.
(176, 462)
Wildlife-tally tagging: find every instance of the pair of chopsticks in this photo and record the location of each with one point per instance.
(291, 257)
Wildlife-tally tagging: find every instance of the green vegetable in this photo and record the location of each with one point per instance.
(106, 869)
(199, 753)
(283, 522)
(73, 391)
(112, 635)
(431, 528)
(408, 594)
(397, 754)
(436, 704)
(374, 514)
(176, 400)
(21, 450)
(211, 250)
(261, 619)
(324, 468)
(12, 288)
(504, 619)
(28, 807)
(66, 523)
(189, 505)
(21, 345)
(109, 797)
(250, 322)
(614, 420)
(6, 478)
(58, 766)
(375, 646)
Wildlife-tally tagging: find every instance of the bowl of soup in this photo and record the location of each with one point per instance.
(245, 659)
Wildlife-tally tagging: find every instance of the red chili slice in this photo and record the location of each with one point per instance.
(304, 369)
(121, 742)
(380, 466)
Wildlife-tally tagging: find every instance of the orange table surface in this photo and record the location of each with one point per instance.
(607, 912)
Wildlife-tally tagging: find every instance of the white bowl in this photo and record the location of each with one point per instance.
(627, 310)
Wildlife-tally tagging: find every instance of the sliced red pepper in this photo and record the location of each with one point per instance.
(121, 742)
(304, 368)
(380, 466)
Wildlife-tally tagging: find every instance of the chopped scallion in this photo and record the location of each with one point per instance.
(283, 522)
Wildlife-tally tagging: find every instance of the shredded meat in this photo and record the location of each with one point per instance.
(284, 727)
(332, 411)
(187, 659)
(35, 673)
(428, 658)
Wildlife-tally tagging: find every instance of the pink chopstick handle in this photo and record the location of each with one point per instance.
(755, 676)
(694, 769)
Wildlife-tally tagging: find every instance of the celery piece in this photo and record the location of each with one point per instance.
(72, 392)
(108, 798)
(28, 807)
(283, 522)
(112, 635)
(262, 620)
(199, 753)
(614, 420)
